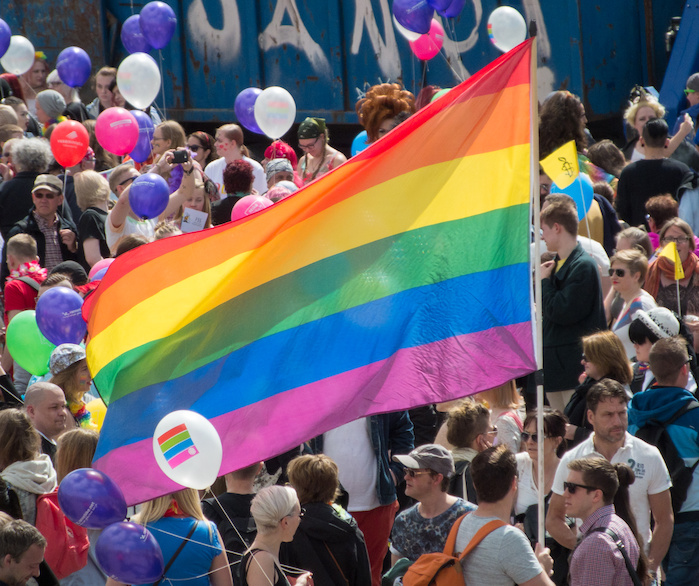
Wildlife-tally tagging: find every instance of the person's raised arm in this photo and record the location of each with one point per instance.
(186, 188)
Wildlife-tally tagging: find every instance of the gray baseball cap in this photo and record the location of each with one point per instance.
(429, 456)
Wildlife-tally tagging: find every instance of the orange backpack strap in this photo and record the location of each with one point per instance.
(449, 547)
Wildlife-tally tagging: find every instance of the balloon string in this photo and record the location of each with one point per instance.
(443, 55)
(162, 83)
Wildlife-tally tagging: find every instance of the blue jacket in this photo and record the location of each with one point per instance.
(391, 434)
(661, 403)
(693, 112)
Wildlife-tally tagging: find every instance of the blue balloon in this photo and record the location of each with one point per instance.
(99, 275)
(360, 142)
(245, 108)
(439, 5)
(90, 498)
(581, 191)
(149, 195)
(158, 23)
(142, 150)
(74, 66)
(415, 15)
(130, 554)
(59, 316)
(132, 36)
(5, 34)
(454, 9)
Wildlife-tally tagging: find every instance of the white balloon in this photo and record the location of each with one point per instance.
(138, 78)
(410, 35)
(19, 57)
(506, 28)
(275, 111)
(188, 449)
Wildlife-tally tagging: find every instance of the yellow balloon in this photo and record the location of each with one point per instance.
(97, 410)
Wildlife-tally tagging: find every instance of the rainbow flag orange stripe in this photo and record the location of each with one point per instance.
(399, 279)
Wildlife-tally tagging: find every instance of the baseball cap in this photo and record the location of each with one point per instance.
(47, 181)
(429, 456)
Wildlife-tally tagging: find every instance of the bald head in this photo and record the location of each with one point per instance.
(46, 408)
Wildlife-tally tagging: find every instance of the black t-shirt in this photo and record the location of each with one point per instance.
(91, 225)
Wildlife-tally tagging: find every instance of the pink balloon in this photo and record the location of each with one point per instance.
(249, 205)
(117, 131)
(98, 266)
(429, 44)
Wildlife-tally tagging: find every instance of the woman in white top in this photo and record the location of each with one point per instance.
(504, 403)
(628, 272)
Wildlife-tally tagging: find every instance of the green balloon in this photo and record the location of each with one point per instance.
(439, 94)
(27, 344)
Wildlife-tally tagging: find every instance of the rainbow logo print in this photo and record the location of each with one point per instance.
(177, 445)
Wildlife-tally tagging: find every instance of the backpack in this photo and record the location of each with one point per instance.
(461, 483)
(655, 433)
(67, 543)
(444, 569)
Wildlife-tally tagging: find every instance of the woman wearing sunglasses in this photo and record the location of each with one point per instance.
(660, 282)
(526, 505)
(603, 357)
(628, 271)
(201, 145)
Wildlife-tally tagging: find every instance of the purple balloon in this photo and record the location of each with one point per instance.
(245, 108)
(158, 23)
(90, 498)
(149, 195)
(130, 554)
(132, 36)
(142, 150)
(5, 34)
(415, 15)
(59, 316)
(454, 9)
(74, 66)
(439, 5)
(99, 275)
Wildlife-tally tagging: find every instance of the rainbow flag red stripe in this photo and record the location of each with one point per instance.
(400, 279)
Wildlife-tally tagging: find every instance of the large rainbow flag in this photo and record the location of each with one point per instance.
(400, 279)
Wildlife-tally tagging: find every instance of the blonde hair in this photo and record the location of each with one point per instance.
(67, 379)
(76, 449)
(271, 505)
(91, 189)
(635, 260)
(504, 396)
(23, 247)
(649, 102)
(187, 500)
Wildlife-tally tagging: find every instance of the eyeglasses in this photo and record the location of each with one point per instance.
(301, 513)
(125, 181)
(571, 487)
(306, 147)
(617, 272)
(156, 139)
(532, 436)
(194, 147)
(412, 472)
(47, 195)
(688, 91)
(584, 357)
(676, 240)
(492, 431)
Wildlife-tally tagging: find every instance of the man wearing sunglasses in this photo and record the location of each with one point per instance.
(650, 492)
(56, 236)
(589, 496)
(691, 92)
(424, 527)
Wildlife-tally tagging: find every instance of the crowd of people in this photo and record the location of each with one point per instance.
(362, 503)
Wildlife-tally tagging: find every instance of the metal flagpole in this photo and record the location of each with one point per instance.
(536, 204)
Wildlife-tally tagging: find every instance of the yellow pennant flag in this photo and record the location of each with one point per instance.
(670, 252)
(562, 165)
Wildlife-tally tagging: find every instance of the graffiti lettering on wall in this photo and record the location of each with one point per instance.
(224, 43)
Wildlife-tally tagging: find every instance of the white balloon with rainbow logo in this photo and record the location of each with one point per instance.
(506, 28)
(188, 449)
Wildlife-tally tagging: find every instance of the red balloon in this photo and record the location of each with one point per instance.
(69, 142)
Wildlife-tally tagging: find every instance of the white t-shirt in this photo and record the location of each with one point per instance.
(214, 171)
(645, 460)
(527, 493)
(130, 226)
(350, 447)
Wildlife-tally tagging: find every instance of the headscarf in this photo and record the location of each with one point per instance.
(277, 166)
(311, 128)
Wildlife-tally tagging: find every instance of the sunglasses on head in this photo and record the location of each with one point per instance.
(617, 272)
(571, 487)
